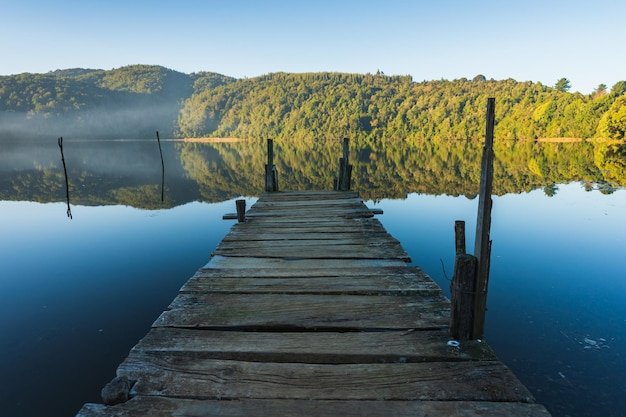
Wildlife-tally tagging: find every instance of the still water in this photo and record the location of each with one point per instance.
(77, 294)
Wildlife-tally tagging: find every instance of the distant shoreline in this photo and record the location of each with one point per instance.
(209, 140)
(560, 140)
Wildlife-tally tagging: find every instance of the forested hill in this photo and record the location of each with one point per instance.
(128, 102)
(135, 101)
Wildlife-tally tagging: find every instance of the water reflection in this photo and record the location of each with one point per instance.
(76, 296)
(131, 172)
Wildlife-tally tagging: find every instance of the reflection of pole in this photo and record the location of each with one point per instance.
(482, 243)
(162, 169)
(271, 175)
(67, 186)
(343, 180)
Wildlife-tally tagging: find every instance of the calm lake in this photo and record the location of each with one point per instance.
(77, 293)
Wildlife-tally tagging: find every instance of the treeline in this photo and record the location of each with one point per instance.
(135, 101)
(379, 107)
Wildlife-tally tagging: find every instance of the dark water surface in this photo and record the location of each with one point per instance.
(76, 295)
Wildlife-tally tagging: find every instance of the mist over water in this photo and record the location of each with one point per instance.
(134, 121)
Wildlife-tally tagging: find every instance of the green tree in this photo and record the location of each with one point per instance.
(619, 88)
(563, 85)
(613, 123)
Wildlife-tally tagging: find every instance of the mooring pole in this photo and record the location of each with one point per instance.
(462, 288)
(162, 168)
(67, 184)
(463, 297)
(482, 244)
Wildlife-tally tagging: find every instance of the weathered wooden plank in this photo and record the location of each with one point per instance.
(303, 263)
(383, 251)
(251, 230)
(322, 221)
(371, 285)
(142, 406)
(310, 195)
(355, 248)
(363, 281)
(280, 214)
(312, 347)
(338, 253)
(312, 235)
(304, 201)
(312, 241)
(296, 225)
(272, 203)
(341, 210)
(162, 406)
(198, 310)
(309, 205)
(221, 379)
(321, 269)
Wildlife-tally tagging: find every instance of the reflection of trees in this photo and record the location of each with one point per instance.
(605, 188)
(385, 170)
(550, 190)
(219, 171)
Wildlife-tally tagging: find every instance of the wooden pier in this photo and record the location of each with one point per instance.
(308, 308)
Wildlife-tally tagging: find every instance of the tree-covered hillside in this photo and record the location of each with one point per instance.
(131, 101)
(135, 101)
(379, 107)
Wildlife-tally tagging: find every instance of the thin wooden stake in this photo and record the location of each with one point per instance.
(162, 168)
(482, 246)
(67, 185)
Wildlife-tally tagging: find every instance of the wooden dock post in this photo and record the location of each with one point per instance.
(463, 293)
(482, 243)
(471, 273)
(67, 184)
(344, 177)
(162, 168)
(241, 210)
(462, 288)
(271, 175)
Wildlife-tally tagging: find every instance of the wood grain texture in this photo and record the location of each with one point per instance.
(198, 310)
(363, 285)
(176, 376)
(142, 406)
(313, 347)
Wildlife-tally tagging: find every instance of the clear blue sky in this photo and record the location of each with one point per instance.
(583, 41)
